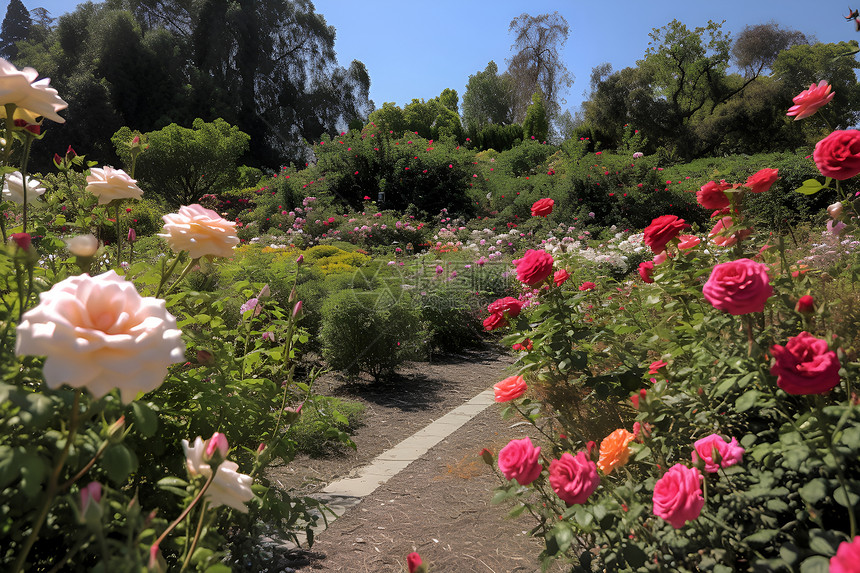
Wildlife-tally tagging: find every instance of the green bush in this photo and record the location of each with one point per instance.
(453, 318)
(325, 425)
(369, 331)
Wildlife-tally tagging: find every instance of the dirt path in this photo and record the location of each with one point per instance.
(440, 504)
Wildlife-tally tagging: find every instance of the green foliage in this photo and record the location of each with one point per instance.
(488, 99)
(325, 424)
(15, 28)
(536, 124)
(370, 331)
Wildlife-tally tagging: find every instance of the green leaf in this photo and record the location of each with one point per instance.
(563, 536)
(34, 470)
(747, 400)
(219, 568)
(810, 187)
(816, 564)
(119, 462)
(762, 537)
(823, 542)
(145, 418)
(813, 491)
(840, 497)
(583, 517)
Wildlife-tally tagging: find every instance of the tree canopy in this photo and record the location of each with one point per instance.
(15, 28)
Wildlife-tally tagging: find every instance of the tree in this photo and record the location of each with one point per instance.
(15, 28)
(757, 47)
(536, 124)
(181, 165)
(537, 63)
(488, 99)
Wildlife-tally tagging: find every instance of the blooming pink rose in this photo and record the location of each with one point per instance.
(534, 267)
(494, 321)
(573, 478)
(662, 230)
(738, 287)
(712, 195)
(99, 333)
(660, 258)
(509, 389)
(520, 460)
(808, 101)
(719, 234)
(542, 207)
(678, 495)
(847, 558)
(688, 241)
(508, 304)
(805, 365)
(762, 180)
(645, 270)
(587, 285)
(560, 277)
(838, 154)
(200, 231)
(730, 453)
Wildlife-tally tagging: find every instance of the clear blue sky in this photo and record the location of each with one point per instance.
(417, 49)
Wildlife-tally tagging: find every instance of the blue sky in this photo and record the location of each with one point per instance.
(417, 49)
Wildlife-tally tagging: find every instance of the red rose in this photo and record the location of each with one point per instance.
(738, 287)
(645, 270)
(508, 304)
(806, 305)
(761, 181)
(587, 285)
(560, 277)
(805, 365)
(573, 478)
(509, 389)
(534, 267)
(838, 154)
(495, 320)
(662, 230)
(656, 366)
(542, 207)
(712, 195)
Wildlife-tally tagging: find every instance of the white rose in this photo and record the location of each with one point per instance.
(99, 333)
(835, 211)
(108, 184)
(229, 486)
(83, 245)
(36, 97)
(13, 188)
(200, 231)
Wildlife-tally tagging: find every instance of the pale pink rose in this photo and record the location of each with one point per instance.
(229, 486)
(109, 184)
(13, 188)
(520, 460)
(33, 98)
(660, 258)
(730, 453)
(99, 333)
(200, 231)
(83, 245)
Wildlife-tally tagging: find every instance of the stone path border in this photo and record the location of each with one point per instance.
(347, 492)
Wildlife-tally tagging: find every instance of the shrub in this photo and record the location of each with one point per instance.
(325, 425)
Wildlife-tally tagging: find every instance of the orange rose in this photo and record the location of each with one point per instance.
(614, 451)
(509, 389)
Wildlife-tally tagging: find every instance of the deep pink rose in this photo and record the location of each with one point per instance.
(847, 558)
(805, 365)
(662, 230)
(762, 180)
(509, 389)
(587, 285)
(560, 277)
(738, 287)
(413, 562)
(494, 321)
(838, 154)
(655, 366)
(730, 453)
(508, 304)
(542, 207)
(805, 305)
(808, 101)
(534, 267)
(573, 478)
(712, 195)
(678, 495)
(645, 270)
(520, 460)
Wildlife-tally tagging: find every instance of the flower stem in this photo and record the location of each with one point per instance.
(182, 275)
(188, 509)
(196, 538)
(118, 235)
(51, 490)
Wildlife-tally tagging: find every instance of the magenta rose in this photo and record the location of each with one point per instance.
(542, 207)
(716, 453)
(519, 460)
(573, 478)
(508, 304)
(662, 230)
(805, 365)
(838, 154)
(678, 495)
(847, 558)
(534, 267)
(712, 195)
(738, 287)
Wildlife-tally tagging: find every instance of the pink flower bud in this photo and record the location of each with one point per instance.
(297, 310)
(23, 240)
(300, 259)
(70, 153)
(92, 492)
(136, 140)
(413, 562)
(806, 305)
(261, 448)
(132, 235)
(217, 443)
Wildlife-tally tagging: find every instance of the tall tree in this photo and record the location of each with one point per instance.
(15, 28)
(537, 63)
(488, 99)
(757, 47)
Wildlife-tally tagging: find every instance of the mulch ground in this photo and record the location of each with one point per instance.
(440, 504)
